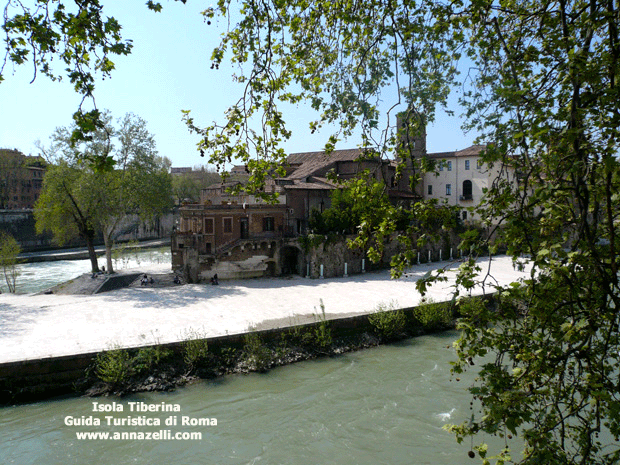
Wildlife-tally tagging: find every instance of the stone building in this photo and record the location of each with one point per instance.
(310, 180)
(460, 179)
(239, 236)
(231, 240)
(242, 236)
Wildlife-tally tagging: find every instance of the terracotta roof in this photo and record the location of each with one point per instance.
(468, 152)
(325, 181)
(303, 157)
(311, 162)
(312, 184)
(441, 155)
(471, 151)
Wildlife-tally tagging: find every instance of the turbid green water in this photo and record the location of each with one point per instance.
(385, 405)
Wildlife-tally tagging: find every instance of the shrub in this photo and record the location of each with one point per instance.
(195, 348)
(9, 251)
(434, 315)
(229, 356)
(117, 366)
(320, 335)
(114, 367)
(149, 357)
(473, 308)
(310, 241)
(256, 356)
(388, 322)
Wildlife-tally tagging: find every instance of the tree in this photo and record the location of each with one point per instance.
(80, 200)
(187, 186)
(547, 96)
(77, 34)
(9, 251)
(67, 206)
(346, 213)
(541, 86)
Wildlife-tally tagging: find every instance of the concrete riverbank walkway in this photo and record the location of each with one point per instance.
(36, 326)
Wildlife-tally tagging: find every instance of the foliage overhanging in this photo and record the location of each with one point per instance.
(540, 84)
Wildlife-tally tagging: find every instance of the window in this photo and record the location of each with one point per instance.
(430, 190)
(208, 225)
(449, 166)
(479, 164)
(268, 223)
(244, 227)
(467, 164)
(441, 165)
(227, 225)
(467, 190)
(448, 189)
(464, 215)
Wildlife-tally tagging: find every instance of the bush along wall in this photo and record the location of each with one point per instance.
(162, 367)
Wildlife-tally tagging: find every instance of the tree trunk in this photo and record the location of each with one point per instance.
(10, 277)
(108, 251)
(92, 255)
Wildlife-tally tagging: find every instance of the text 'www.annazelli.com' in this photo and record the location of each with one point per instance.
(161, 435)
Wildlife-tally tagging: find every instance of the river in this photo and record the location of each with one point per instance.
(385, 405)
(36, 277)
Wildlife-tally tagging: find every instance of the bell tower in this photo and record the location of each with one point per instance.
(411, 134)
(411, 127)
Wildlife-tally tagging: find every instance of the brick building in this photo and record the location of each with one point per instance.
(21, 180)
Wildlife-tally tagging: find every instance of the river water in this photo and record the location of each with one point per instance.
(385, 405)
(36, 277)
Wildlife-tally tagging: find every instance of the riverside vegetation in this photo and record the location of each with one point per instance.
(164, 367)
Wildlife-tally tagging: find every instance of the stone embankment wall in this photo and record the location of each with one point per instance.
(330, 257)
(333, 254)
(37, 379)
(312, 257)
(21, 225)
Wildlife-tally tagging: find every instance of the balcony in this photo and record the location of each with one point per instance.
(466, 197)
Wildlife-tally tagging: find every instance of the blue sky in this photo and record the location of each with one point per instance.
(167, 71)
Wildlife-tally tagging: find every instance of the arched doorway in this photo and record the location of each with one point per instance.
(289, 260)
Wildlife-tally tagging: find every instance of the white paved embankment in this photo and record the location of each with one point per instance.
(52, 325)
